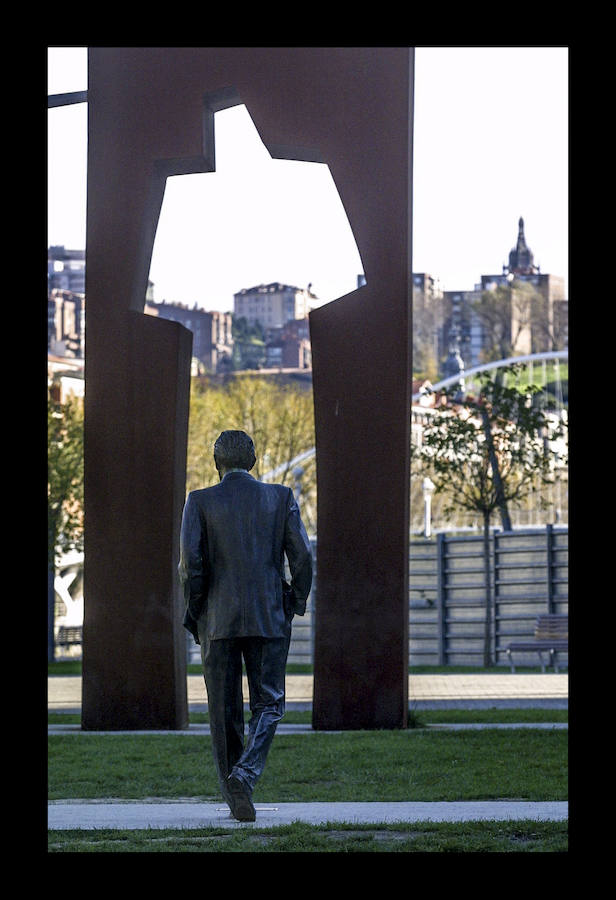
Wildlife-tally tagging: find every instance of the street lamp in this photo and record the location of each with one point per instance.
(428, 487)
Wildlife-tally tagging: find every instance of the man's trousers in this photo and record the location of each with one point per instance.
(265, 660)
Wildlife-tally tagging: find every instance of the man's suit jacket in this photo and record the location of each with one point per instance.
(233, 539)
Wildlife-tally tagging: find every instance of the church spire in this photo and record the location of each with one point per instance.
(521, 260)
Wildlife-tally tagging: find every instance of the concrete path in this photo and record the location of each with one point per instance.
(284, 728)
(425, 691)
(66, 814)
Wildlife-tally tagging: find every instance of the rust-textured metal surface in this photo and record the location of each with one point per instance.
(151, 114)
(361, 353)
(134, 653)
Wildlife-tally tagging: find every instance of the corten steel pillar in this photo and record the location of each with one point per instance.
(151, 114)
(361, 357)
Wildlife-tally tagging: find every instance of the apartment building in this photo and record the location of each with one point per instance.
(65, 323)
(212, 331)
(289, 347)
(66, 270)
(273, 305)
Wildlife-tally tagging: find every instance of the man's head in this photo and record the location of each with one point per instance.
(234, 450)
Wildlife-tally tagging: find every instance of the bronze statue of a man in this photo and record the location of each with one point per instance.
(233, 540)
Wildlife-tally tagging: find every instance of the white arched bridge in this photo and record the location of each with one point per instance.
(538, 365)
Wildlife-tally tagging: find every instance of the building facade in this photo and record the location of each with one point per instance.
(462, 327)
(428, 320)
(66, 279)
(65, 323)
(536, 300)
(289, 347)
(273, 305)
(212, 332)
(66, 270)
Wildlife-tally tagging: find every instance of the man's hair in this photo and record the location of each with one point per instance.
(234, 450)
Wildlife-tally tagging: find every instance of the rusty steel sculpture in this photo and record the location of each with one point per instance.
(151, 115)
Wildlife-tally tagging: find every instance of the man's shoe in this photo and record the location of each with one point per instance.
(226, 795)
(241, 803)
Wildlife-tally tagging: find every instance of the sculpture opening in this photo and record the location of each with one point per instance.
(254, 220)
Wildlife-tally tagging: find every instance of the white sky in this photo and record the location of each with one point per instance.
(490, 145)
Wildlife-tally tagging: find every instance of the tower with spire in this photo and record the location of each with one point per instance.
(544, 328)
(521, 260)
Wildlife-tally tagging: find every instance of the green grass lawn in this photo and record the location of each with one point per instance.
(415, 764)
(349, 766)
(352, 766)
(416, 837)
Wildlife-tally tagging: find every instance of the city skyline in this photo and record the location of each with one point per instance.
(490, 146)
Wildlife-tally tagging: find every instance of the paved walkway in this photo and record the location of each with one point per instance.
(425, 691)
(191, 814)
(284, 728)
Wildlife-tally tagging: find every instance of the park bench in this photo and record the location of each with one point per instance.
(551, 636)
(69, 635)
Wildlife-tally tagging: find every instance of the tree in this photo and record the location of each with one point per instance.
(248, 344)
(278, 416)
(505, 317)
(427, 314)
(486, 451)
(64, 491)
(546, 323)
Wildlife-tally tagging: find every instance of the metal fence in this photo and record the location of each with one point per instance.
(529, 576)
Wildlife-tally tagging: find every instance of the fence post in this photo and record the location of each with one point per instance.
(495, 575)
(549, 540)
(441, 603)
(313, 594)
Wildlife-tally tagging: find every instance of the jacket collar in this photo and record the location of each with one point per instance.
(237, 472)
